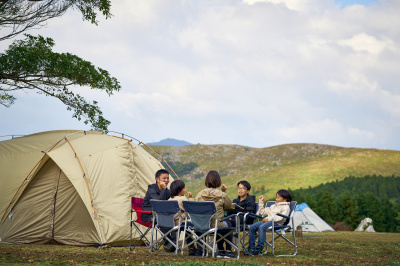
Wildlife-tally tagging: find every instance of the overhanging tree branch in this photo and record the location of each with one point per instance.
(17, 16)
(31, 64)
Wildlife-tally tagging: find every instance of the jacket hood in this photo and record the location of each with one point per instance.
(211, 194)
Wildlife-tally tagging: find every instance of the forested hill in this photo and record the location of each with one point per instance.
(269, 169)
(353, 199)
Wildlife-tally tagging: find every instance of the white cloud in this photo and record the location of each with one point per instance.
(297, 5)
(361, 134)
(356, 86)
(390, 103)
(258, 73)
(363, 42)
(316, 130)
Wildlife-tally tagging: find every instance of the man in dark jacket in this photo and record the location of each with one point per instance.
(158, 191)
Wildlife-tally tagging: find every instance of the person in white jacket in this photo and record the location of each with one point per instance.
(282, 205)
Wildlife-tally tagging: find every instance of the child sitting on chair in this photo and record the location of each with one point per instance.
(282, 205)
(178, 190)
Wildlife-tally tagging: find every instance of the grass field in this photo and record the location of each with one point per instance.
(331, 248)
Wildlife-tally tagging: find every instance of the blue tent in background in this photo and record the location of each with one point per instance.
(309, 220)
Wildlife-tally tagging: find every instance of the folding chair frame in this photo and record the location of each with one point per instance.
(208, 239)
(236, 232)
(136, 207)
(163, 216)
(245, 226)
(281, 229)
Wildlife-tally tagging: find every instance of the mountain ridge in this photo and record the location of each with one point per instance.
(170, 142)
(269, 169)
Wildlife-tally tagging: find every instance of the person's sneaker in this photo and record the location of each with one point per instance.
(249, 251)
(221, 254)
(256, 252)
(192, 251)
(199, 253)
(168, 247)
(229, 255)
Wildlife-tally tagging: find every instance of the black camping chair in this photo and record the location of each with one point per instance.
(280, 230)
(202, 232)
(164, 223)
(248, 219)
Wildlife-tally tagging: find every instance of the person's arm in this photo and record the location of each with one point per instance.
(227, 202)
(261, 210)
(163, 195)
(285, 211)
(190, 196)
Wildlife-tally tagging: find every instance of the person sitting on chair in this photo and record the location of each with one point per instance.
(222, 201)
(282, 205)
(158, 191)
(178, 189)
(244, 202)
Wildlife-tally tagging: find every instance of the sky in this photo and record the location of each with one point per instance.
(256, 73)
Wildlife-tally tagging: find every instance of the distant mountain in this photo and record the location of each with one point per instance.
(171, 142)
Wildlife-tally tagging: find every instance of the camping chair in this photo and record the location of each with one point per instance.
(280, 230)
(202, 232)
(248, 219)
(163, 219)
(136, 207)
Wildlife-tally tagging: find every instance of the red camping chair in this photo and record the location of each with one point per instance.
(137, 208)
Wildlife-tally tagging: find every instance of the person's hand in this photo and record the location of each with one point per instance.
(224, 187)
(265, 220)
(261, 198)
(189, 194)
(163, 185)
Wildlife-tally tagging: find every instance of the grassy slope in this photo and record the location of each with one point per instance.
(284, 166)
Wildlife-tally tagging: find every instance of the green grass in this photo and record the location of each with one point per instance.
(280, 167)
(330, 248)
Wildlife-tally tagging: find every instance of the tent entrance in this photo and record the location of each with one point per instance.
(50, 211)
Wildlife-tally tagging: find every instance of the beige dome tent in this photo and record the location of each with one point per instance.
(71, 187)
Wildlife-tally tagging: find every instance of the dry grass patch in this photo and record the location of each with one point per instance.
(333, 248)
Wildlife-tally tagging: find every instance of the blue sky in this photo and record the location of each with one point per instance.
(344, 3)
(254, 72)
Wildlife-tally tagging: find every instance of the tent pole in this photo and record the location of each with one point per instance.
(90, 192)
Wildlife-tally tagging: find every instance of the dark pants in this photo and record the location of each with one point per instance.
(171, 236)
(228, 237)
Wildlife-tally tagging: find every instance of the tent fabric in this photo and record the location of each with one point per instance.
(309, 221)
(365, 226)
(79, 192)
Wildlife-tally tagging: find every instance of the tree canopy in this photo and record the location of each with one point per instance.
(355, 198)
(30, 64)
(17, 16)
